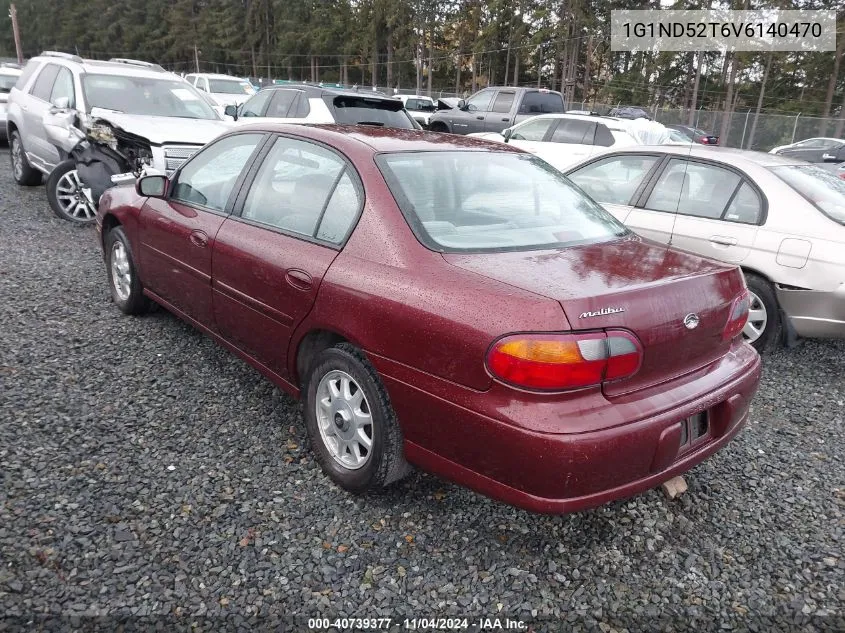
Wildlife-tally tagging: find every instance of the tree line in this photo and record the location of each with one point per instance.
(439, 45)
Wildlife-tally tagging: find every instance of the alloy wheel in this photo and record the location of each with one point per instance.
(344, 419)
(17, 158)
(121, 273)
(757, 319)
(72, 200)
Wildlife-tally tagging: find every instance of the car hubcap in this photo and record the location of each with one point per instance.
(72, 199)
(757, 319)
(344, 419)
(121, 275)
(17, 158)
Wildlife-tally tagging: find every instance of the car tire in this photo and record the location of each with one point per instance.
(64, 193)
(437, 126)
(763, 329)
(23, 173)
(126, 289)
(339, 422)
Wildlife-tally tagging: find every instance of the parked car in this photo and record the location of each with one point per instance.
(563, 140)
(307, 103)
(494, 109)
(780, 219)
(223, 89)
(8, 77)
(694, 135)
(630, 112)
(814, 150)
(152, 116)
(419, 107)
(422, 305)
(835, 168)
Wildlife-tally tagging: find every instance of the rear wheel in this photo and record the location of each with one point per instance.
(65, 195)
(351, 425)
(763, 327)
(22, 171)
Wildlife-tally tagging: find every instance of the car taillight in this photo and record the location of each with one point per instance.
(704, 140)
(558, 362)
(842, 175)
(737, 317)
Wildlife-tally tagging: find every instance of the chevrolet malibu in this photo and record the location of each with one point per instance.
(443, 302)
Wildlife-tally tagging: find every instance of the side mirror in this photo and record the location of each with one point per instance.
(151, 186)
(462, 105)
(61, 103)
(507, 133)
(232, 111)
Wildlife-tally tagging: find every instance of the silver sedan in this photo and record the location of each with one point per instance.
(781, 220)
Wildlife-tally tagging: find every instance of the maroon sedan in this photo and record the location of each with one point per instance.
(443, 302)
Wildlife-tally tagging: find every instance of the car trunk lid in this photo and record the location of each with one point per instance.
(633, 284)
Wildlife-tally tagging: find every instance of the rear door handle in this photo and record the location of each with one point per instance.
(199, 239)
(506, 120)
(480, 118)
(723, 241)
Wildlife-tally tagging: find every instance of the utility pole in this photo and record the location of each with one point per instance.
(13, 14)
(196, 57)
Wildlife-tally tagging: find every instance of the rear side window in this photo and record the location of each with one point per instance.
(302, 108)
(746, 206)
(603, 136)
(26, 75)
(693, 189)
(44, 83)
(613, 180)
(503, 102)
(352, 109)
(541, 103)
(306, 189)
(574, 131)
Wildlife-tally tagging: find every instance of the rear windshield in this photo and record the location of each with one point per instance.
(367, 110)
(821, 187)
(7, 82)
(541, 103)
(230, 87)
(468, 201)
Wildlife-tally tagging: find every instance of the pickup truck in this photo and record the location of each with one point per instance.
(496, 108)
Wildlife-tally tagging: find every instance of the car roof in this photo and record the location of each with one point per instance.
(318, 91)
(383, 139)
(729, 155)
(216, 76)
(96, 66)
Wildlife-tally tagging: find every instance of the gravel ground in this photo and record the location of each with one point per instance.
(148, 473)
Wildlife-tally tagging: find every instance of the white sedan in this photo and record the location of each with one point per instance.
(563, 140)
(781, 220)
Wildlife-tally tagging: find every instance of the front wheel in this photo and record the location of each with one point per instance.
(65, 195)
(763, 327)
(351, 425)
(126, 289)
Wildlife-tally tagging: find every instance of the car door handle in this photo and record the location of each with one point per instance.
(506, 119)
(480, 118)
(299, 279)
(722, 241)
(199, 239)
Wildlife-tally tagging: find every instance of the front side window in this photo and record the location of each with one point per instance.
(822, 188)
(305, 189)
(480, 102)
(63, 88)
(208, 178)
(532, 130)
(44, 82)
(456, 202)
(695, 189)
(614, 180)
(151, 96)
(255, 105)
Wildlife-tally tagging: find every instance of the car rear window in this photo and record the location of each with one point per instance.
(352, 109)
(470, 202)
(822, 188)
(541, 103)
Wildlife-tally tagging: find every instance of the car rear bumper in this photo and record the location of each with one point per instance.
(815, 314)
(565, 472)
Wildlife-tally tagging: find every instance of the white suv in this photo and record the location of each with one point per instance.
(159, 119)
(223, 89)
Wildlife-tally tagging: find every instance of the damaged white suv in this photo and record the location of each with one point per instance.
(84, 123)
